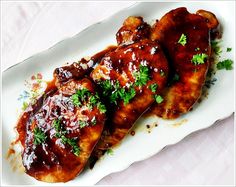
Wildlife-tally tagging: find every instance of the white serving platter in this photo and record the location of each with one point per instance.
(218, 105)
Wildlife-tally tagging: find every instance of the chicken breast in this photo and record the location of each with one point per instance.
(80, 69)
(185, 39)
(59, 133)
(130, 79)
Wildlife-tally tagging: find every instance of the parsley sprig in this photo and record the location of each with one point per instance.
(215, 47)
(126, 96)
(93, 100)
(61, 132)
(80, 96)
(39, 136)
(115, 91)
(159, 99)
(153, 87)
(199, 58)
(225, 64)
(73, 143)
(183, 40)
(142, 76)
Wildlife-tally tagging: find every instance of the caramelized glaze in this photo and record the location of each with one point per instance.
(180, 97)
(120, 65)
(53, 160)
(138, 45)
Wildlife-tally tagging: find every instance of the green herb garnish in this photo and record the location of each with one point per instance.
(76, 100)
(225, 64)
(142, 76)
(93, 100)
(153, 87)
(39, 136)
(101, 107)
(216, 48)
(80, 96)
(109, 152)
(115, 92)
(73, 143)
(60, 133)
(83, 93)
(199, 58)
(228, 49)
(182, 40)
(106, 87)
(126, 96)
(197, 49)
(158, 99)
(57, 124)
(82, 124)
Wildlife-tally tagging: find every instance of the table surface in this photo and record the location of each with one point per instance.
(203, 158)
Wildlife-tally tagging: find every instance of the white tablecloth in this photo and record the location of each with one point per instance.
(205, 157)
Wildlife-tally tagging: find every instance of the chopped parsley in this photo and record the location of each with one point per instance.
(153, 87)
(60, 133)
(73, 143)
(75, 100)
(228, 49)
(82, 124)
(59, 129)
(197, 49)
(159, 99)
(110, 90)
(39, 136)
(101, 107)
(225, 64)
(57, 125)
(106, 87)
(142, 76)
(109, 152)
(126, 96)
(93, 100)
(215, 46)
(80, 96)
(116, 92)
(199, 58)
(114, 96)
(183, 40)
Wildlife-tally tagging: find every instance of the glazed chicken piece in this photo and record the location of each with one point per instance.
(134, 29)
(185, 39)
(130, 78)
(59, 132)
(78, 70)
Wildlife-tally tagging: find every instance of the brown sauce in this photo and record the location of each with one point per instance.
(132, 133)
